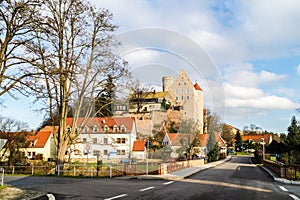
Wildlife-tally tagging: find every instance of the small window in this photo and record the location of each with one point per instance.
(32, 143)
(123, 128)
(96, 152)
(182, 90)
(105, 128)
(176, 98)
(105, 152)
(188, 97)
(83, 139)
(105, 141)
(182, 98)
(95, 129)
(95, 140)
(120, 152)
(33, 154)
(115, 128)
(86, 129)
(29, 154)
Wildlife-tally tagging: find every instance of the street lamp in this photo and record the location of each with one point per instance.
(263, 143)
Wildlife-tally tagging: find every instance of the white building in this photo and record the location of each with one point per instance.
(103, 138)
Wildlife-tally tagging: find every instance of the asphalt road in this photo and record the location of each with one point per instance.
(236, 179)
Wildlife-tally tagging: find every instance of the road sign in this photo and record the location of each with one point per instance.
(2, 143)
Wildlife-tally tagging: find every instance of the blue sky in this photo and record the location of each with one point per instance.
(254, 45)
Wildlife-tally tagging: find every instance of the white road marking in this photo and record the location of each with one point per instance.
(283, 188)
(170, 182)
(294, 197)
(116, 197)
(51, 196)
(148, 188)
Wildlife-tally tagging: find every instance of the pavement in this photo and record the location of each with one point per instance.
(12, 193)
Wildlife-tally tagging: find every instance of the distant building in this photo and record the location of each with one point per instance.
(180, 93)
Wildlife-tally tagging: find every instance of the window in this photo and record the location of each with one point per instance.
(188, 90)
(83, 139)
(95, 129)
(120, 152)
(123, 128)
(176, 98)
(121, 140)
(188, 97)
(96, 152)
(32, 143)
(29, 154)
(105, 152)
(95, 140)
(182, 90)
(176, 91)
(115, 128)
(105, 140)
(105, 128)
(182, 98)
(33, 154)
(86, 130)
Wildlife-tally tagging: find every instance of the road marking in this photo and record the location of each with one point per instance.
(283, 188)
(170, 182)
(294, 197)
(51, 196)
(116, 197)
(148, 188)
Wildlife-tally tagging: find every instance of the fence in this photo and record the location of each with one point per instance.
(291, 172)
(91, 170)
(2, 176)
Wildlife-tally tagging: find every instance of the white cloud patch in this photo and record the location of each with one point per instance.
(243, 75)
(247, 97)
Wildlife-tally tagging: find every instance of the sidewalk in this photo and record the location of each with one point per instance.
(184, 173)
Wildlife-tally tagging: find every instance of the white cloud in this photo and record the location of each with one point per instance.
(247, 97)
(243, 75)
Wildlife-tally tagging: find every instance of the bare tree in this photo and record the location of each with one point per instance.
(16, 20)
(138, 95)
(76, 49)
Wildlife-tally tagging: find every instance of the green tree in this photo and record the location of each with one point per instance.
(293, 137)
(239, 140)
(105, 97)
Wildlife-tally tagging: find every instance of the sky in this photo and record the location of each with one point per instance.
(245, 55)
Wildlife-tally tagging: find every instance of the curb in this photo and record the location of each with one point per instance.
(280, 180)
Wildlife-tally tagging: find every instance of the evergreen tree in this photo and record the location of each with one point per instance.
(105, 97)
(239, 140)
(293, 137)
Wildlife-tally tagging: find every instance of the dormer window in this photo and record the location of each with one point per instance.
(32, 143)
(123, 128)
(95, 129)
(105, 128)
(115, 128)
(86, 129)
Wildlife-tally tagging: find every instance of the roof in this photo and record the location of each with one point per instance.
(139, 146)
(40, 139)
(258, 138)
(178, 138)
(153, 95)
(197, 87)
(102, 121)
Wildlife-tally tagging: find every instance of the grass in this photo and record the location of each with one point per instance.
(2, 187)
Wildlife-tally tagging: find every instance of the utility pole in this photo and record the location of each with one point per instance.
(263, 143)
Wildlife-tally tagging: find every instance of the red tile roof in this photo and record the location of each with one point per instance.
(139, 146)
(197, 87)
(40, 139)
(258, 138)
(102, 121)
(177, 139)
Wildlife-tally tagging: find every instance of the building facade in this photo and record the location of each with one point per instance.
(107, 138)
